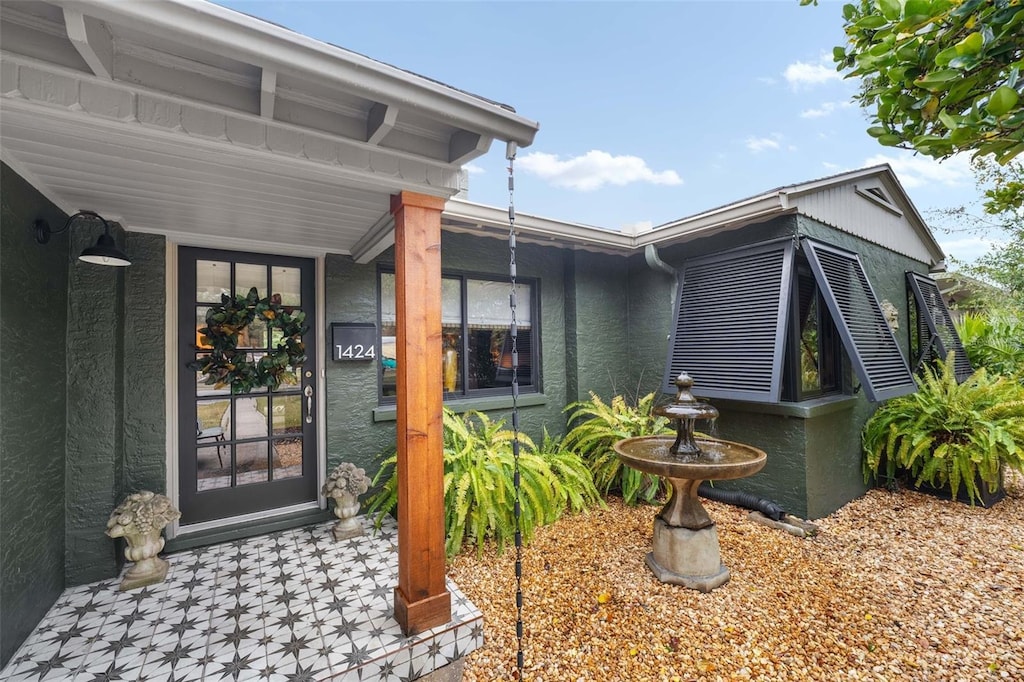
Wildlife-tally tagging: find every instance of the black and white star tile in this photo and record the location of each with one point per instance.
(286, 607)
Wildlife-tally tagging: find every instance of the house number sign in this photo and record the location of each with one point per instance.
(353, 342)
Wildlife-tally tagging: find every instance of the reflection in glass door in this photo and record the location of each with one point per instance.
(244, 453)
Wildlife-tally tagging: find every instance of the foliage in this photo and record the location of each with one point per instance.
(226, 365)
(939, 76)
(948, 434)
(479, 474)
(603, 425)
(1002, 218)
(994, 341)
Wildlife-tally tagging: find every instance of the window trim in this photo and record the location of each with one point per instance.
(534, 283)
(792, 384)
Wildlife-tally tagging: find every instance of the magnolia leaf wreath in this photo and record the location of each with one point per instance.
(226, 365)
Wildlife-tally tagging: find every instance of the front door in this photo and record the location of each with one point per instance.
(252, 452)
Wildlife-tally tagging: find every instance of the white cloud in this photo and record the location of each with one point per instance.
(767, 80)
(835, 167)
(594, 170)
(968, 249)
(826, 109)
(760, 144)
(802, 75)
(918, 171)
(473, 169)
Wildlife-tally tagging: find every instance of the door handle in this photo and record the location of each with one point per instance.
(308, 392)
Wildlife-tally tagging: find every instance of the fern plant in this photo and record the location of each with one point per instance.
(602, 425)
(995, 341)
(479, 493)
(949, 434)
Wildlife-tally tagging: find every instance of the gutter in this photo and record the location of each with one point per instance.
(208, 27)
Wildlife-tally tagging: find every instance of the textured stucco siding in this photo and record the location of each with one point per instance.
(145, 404)
(94, 468)
(600, 336)
(33, 400)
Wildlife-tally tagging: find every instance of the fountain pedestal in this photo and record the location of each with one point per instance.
(685, 548)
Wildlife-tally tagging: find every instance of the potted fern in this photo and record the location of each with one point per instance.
(950, 438)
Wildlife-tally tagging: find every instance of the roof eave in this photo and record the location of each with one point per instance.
(203, 25)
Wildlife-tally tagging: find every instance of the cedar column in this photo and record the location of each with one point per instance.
(422, 600)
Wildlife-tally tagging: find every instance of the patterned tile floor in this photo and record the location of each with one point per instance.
(293, 605)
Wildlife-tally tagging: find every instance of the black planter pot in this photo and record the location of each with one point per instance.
(987, 499)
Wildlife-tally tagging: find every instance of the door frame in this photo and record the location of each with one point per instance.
(171, 375)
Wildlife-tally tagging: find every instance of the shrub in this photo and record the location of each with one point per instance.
(479, 493)
(602, 426)
(948, 434)
(994, 341)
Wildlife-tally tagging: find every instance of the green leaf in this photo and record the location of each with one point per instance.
(891, 9)
(871, 21)
(936, 79)
(890, 140)
(970, 45)
(1002, 100)
(876, 131)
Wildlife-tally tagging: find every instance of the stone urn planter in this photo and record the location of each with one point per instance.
(140, 520)
(344, 485)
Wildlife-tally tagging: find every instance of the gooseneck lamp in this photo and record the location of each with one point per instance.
(104, 253)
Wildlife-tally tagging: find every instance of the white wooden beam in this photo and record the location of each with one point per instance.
(379, 122)
(92, 41)
(268, 93)
(376, 240)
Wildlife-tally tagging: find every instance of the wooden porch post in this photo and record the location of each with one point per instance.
(422, 600)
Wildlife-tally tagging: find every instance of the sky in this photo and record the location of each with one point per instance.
(648, 111)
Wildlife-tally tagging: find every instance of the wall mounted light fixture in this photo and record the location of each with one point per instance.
(104, 253)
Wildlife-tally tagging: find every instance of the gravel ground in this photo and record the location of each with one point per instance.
(897, 586)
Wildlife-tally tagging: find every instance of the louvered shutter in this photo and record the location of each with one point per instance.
(730, 322)
(932, 311)
(869, 342)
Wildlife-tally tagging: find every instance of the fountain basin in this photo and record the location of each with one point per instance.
(719, 460)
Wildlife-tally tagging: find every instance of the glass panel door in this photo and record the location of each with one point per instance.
(243, 453)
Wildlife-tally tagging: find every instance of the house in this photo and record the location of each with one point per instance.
(224, 153)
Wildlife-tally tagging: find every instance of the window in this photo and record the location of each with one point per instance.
(815, 357)
(933, 328)
(476, 348)
(738, 312)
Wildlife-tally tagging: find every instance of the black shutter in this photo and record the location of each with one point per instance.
(858, 316)
(730, 322)
(940, 331)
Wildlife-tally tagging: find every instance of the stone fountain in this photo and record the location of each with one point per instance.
(686, 550)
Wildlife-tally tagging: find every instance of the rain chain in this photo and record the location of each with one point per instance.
(510, 154)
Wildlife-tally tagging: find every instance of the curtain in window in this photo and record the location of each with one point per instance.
(938, 334)
(730, 324)
(858, 316)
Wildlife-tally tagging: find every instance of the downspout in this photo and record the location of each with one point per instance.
(654, 262)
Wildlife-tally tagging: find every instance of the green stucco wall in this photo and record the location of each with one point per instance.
(95, 447)
(82, 395)
(33, 311)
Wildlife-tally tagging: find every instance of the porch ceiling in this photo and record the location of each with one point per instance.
(191, 120)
